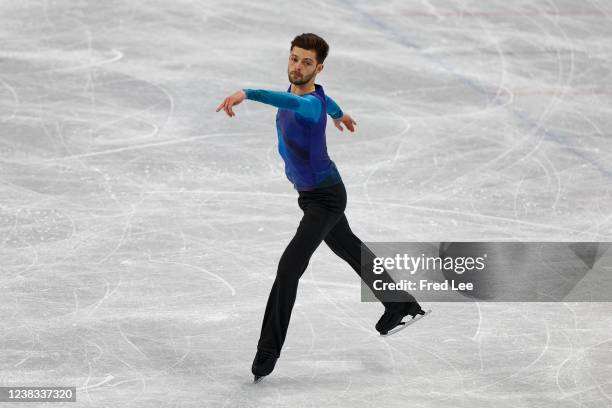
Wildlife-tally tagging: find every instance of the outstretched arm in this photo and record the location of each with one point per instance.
(307, 106)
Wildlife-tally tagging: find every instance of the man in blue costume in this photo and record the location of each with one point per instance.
(300, 121)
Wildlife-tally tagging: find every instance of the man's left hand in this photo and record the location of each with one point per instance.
(348, 122)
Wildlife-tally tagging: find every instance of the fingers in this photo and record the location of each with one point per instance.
(222, 105)
(349, 126)
(226, 105)
(338, 125)
(349, 122)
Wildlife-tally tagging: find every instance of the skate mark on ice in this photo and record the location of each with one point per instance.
(214, 275)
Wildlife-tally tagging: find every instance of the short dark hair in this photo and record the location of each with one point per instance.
(310, 41)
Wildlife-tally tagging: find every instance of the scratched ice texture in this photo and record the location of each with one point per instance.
(140, 230)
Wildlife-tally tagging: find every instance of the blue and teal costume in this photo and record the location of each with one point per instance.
(300, 125)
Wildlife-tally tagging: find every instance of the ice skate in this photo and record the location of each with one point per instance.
(391, 321)
(263, 364)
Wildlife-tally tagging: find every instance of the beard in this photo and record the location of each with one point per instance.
(301, 80)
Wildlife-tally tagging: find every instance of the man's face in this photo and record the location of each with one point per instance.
(302, 66)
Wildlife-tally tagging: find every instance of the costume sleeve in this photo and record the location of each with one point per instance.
(307, 106)
(333, 109)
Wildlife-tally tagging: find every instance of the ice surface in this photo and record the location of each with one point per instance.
(140, 230)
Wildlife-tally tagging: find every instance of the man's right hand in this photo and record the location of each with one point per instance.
(233, 99)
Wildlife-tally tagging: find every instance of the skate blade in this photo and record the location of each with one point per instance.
(403, 325)
(258, 379)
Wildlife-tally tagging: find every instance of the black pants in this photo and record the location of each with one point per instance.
(323, 220)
